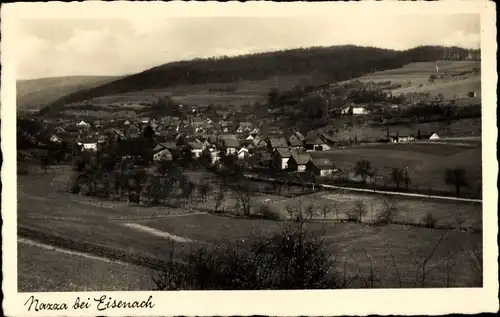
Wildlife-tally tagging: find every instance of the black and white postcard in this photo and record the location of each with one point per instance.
(258, 158)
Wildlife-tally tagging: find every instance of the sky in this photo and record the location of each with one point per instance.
(68, 47)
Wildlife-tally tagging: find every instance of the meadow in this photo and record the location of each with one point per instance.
(426, 162)
(414, 77)
(86, 224)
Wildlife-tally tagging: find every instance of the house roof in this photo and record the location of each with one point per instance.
(230, 143)
(278, 143)
(168, 145)
(301, 158)
(196, 145)
(299, 135)
(283, 152)
(165, 151)
(316, 141)
(322, 163)
(295, 142)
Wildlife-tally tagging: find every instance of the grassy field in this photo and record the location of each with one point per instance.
(246, 94)
(426, 162)
(414, 78)
(457, 128)
(40, 269)
(42, 207)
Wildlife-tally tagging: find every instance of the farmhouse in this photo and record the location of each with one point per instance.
(280, 158)
(320, 167)
(298, 161)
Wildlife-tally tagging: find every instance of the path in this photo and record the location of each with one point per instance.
(255, 177)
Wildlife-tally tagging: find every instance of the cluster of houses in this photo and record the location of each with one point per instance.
(270, 148)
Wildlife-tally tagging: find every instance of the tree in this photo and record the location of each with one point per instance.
(363, 168)
(244, 194)
(204, 189)
(148, 133)
(219, 200)
(45, 162)
(273, 96)
(397, 176)
(456, 177)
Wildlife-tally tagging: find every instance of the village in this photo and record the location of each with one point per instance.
(249, 142)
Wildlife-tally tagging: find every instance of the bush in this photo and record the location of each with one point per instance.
(357, 212)
(388, 213)
(269, 212)
(292, 259)
(429, 220)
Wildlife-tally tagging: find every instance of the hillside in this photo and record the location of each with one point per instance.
(453, 79)
(32, 94)
(318, 65)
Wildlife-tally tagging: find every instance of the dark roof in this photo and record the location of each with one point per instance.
(168, 145)
(196, 145)
(322, 163)
(230, 142)
(283, 152)
(166, 151)
(316, 141)
(295, 142)
(301, 158)
(278, 143)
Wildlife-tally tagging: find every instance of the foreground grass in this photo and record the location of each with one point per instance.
(42, 270)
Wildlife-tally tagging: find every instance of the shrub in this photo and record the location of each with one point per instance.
(429, 220)
(388, 213)
(269, 212)
(357, 212)
(291, 259)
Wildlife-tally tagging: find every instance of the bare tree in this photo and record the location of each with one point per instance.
(219, 200)
(245, 194)
(204, 189)
(325, 210)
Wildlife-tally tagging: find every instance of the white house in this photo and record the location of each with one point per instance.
(82, 124)
(243, 153)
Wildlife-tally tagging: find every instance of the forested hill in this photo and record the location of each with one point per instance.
(328, 64)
